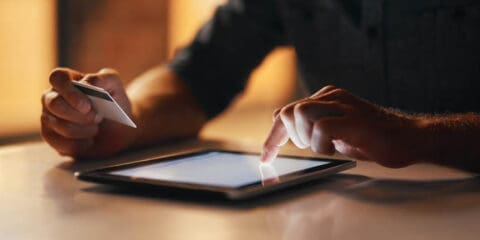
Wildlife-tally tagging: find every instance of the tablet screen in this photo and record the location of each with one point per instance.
(220, 169)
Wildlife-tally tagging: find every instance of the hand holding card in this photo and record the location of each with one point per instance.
(104, 103)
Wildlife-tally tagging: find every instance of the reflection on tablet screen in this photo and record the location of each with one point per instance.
(222, 169)
(268, 173)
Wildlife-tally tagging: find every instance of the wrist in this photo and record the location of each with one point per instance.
(409, 138)
(436, 140)
(416, 137)
(423, 140)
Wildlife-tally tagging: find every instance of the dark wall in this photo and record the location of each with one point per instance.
(129, 36)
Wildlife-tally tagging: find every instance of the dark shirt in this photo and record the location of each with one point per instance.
(413, 55)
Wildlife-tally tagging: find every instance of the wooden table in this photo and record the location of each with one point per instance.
(40, 199)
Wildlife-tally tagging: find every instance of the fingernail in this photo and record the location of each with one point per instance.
(98, 118)
(264, 157)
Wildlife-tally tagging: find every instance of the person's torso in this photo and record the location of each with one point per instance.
(419, 56)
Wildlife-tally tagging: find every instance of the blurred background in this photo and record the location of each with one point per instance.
(130, 36)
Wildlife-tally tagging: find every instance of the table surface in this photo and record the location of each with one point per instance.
(41, 199)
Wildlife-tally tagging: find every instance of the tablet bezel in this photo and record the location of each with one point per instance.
(103, 175)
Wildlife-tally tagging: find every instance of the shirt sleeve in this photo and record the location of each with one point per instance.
(227, 48)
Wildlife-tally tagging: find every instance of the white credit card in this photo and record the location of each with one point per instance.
(104, 103)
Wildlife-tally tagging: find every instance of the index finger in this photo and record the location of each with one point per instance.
(278, 137)
(61, 78)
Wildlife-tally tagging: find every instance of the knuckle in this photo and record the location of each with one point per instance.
(322, 91)
(91, 79)
(300, 108)
(286, 113)
(50, 95)
(44, 97)
(110, 75)
(45, 93)
(330, 86)
(276, 114)
(108, 71)
(339, 92)
(56, 104)
(276, 111)
(58, 76)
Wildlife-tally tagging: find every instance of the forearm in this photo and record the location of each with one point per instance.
(163, 108)
(451, 140)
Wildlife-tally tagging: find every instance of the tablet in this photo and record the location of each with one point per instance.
(234, 175)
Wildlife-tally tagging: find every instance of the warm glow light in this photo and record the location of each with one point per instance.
(27, 40)
(27, 37)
